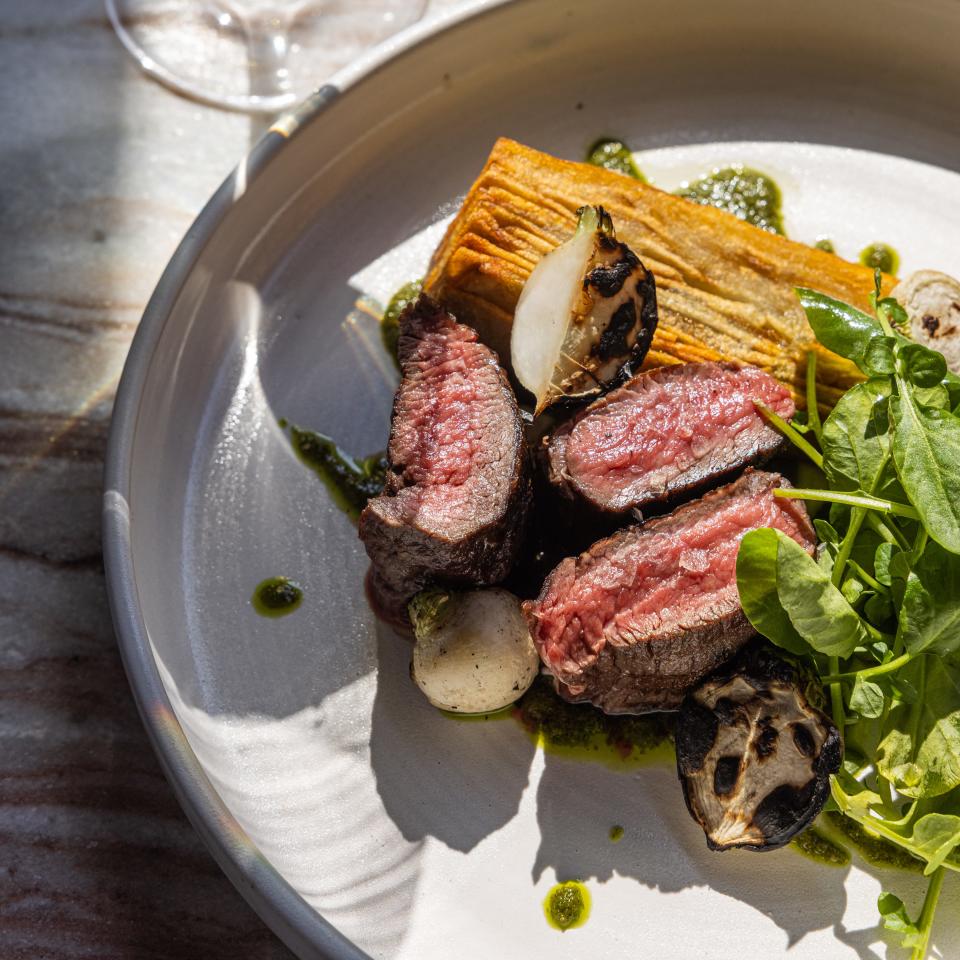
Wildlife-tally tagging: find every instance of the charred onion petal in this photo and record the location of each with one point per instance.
(754, 756)
(586, 316)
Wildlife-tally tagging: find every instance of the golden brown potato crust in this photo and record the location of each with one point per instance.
(725, 288)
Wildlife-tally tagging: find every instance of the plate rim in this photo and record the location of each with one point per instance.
(300, 926)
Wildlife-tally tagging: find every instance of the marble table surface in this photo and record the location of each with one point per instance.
(101, 172)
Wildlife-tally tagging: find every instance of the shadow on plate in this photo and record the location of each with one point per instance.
(433, 777)
(433, 772)
(664, 849)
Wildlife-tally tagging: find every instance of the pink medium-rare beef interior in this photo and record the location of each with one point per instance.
(659, 580)
(453, 428)
(668, 432)
(454, 504)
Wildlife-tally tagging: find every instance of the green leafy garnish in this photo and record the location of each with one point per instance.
(926, 451)
(813, 608)
(877, 613)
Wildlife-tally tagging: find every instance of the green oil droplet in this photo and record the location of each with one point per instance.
(880, 256)
(351, 482)
(276, 597)
(582, 732)
(815, 845)
(390, 321)
(567, 905)
(614, 155)
(747, 194)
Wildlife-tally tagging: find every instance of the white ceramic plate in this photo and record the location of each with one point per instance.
(355, 818)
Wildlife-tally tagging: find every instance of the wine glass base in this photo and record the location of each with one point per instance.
(253, 56)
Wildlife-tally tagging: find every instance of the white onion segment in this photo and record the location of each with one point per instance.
(585, 317)
(473, 651)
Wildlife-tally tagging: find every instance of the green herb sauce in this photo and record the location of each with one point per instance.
(390, 321)
(276, 597)
(616, 833)
(614, 155)
(747, 194)
(567, 905)
(880, 256)
(877, 852)
(826, 244)
(351, 482)
(580, 731)
(817, 846)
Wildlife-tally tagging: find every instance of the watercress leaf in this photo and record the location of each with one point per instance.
(878, 609)
(839, 326)
(880, 650)
(839, 515)
(867, 698)
(856, 441)
(930, 611)
(757, 583)
(852, 797)
(926, 452)
(878, 357)
(901, 689)
(895, 313)
(816, 608)
(952, 384)
(899, 574)
(809, 475)
(826, 532)
(852, 589)
(895, 918)
(881, 562)
(936, 396)
(920, 752)
(864, 548)
(922, 366)
(935, 837)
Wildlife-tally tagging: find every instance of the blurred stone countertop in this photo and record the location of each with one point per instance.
(102, 171)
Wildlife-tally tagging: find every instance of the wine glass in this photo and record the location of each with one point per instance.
(255, 56)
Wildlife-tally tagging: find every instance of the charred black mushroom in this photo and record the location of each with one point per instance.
(754, 755)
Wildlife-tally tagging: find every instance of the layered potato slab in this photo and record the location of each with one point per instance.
(725, 288)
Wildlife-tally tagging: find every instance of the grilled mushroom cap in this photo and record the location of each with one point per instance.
(754, 756)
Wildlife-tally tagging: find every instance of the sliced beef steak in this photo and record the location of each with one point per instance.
(458, 487)
(666, 434)
(632, 623)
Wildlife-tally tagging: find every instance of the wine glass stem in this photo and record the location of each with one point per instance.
(268, 48)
